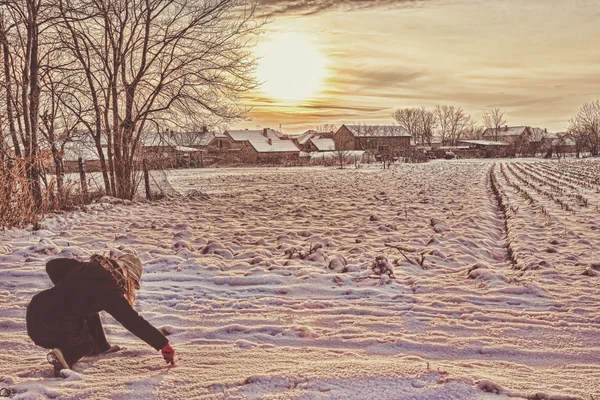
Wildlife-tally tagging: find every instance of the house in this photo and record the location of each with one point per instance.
(255, 143)
(239, 137)
(236, 139)
(221, 142)
(86, 151)
(376, 138)
(564, 143)
(540, 141)
(303, 138)
(518, 137)
(164, 150)
(318, 143)
(270, 151)
(193, 139)
(507, 134)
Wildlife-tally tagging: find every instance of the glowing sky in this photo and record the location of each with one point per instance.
(538, 60)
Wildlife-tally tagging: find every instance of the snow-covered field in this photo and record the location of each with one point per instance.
(262, 278)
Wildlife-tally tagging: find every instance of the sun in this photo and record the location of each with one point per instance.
(291, 67)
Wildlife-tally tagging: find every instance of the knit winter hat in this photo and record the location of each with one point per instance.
(133, 266)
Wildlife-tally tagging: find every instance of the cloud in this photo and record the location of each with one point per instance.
(310, 7)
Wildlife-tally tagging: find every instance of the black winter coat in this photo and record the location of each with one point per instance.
(82, 289)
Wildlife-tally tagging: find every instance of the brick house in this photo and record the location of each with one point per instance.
(221, 142)
(518, 137)
(507, 134)
(227, 145)
(377, 138)
(303, 138)
(318, 143)
(167, 150)
(269, 152)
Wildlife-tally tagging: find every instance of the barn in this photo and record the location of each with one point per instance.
(381, 139)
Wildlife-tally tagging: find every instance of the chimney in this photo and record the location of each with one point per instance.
(265, 131)
(204, 129)
(269, 141)
(545, 130)
(506, 127)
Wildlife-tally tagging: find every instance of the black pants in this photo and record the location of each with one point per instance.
(76, 338)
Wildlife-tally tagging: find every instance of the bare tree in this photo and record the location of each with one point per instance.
(494, 119)
(23, 22)
(326, 128)
(149, 62)
(473, 132)
(58, 121)
(410, 120)
(585, 126)
(427, 124)
(342, 157)
(7, 83)
(453, 123)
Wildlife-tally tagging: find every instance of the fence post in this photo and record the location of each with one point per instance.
(84, 187)
(146, 180)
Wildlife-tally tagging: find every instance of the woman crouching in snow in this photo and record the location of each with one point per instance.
(65, 317)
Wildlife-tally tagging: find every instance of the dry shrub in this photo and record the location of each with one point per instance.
(18, 207)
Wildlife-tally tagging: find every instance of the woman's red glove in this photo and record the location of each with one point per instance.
(168, 354)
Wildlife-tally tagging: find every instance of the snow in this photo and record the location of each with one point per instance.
(267, 285)
(242, 135)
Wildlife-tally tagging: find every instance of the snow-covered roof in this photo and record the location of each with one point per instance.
(306, 136)
(506, 131)
(563, 140)
(377, 130)
(275, 146)
(201, 139)
(323, 144)
(484, 142)
(254, 134)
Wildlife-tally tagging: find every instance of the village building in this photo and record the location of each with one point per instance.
(381, 139)
(251, 146)
(166, 150)
(221, 142)
(271, 151)
(318, 144)
(564, 143)
(236, 139)
(303, 138)
(73, 151)
(514, 135)
(540, 142)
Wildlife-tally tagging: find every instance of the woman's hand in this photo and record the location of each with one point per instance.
(168, 354)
